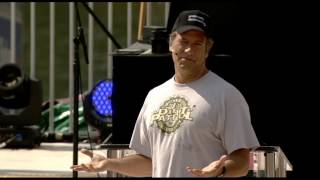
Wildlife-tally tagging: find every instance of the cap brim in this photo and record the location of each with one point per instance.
(188, 28)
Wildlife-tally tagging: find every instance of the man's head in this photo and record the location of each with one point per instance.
(191, 40)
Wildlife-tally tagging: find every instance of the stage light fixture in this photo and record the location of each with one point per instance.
(101, 98)
(20, 97)
(20, 106)
(13, 87)
(98, 107)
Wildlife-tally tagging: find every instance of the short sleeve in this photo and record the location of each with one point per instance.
(237, 131)
(139, 139)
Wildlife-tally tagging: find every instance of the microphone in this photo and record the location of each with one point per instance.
(173, 51)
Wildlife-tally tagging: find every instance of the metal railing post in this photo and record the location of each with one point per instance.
(110, 28)
(129, 23)
(52, 68)
(13, 32)
(71, 59)
(90, 47)
(32, 40)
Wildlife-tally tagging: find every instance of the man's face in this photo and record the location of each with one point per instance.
(189, 50)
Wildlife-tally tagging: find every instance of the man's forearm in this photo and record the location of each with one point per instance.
(133, 165)
(237, 164)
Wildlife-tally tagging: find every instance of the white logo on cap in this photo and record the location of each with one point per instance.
(197, 18)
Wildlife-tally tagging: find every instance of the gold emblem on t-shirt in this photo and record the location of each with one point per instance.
(172, 113)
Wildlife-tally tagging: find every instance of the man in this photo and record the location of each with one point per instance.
(195, 124)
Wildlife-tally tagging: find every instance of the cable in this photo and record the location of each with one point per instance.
(6, 142)
(82, 99)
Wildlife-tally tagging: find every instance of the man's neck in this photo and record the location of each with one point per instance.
(187, 76)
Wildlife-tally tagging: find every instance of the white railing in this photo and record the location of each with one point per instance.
(52, 43)
(13, 32)
(52, 67)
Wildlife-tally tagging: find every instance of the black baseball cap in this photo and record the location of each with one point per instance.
(193, 20)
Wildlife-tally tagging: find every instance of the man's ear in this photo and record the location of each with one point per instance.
(209, 47)
(170, 48)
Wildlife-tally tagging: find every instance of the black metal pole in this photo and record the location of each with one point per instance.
(79, 39)
(75, 103)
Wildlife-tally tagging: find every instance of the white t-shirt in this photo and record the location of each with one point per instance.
(192, 124)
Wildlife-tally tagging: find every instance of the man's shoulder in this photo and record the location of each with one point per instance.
(216, 79)
(219, 82)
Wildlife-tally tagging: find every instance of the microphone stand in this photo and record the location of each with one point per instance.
(79, 39)
(76, 70)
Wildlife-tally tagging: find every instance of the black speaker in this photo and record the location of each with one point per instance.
(133, 77)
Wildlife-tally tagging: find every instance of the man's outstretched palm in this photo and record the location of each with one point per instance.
(212, 170)
(95, 165)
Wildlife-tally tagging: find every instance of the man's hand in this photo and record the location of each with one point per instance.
(96, 164)
(214, 169)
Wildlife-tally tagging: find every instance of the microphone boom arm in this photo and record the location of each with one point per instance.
(102, 26)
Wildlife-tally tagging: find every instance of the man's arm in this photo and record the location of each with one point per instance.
(132, 165)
